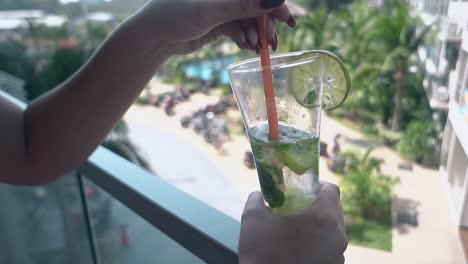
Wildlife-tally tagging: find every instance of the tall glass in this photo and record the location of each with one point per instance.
(287, 168)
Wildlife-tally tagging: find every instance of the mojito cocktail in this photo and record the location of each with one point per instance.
(304, 83)
(287, 169)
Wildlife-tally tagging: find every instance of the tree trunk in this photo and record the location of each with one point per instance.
(386, 114)
(399, 78)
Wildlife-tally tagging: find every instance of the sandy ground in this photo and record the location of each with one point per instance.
(434, 240)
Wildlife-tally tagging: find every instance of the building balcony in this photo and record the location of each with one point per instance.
(437, 94)
(436, 86)
(450, 31)
(460, 126)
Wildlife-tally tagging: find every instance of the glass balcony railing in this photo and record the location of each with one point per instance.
(111, 211)
(44, 225)
(207, 233)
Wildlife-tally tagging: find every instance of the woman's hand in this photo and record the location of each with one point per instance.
(317, 235)
(76, 116)
(186, 25)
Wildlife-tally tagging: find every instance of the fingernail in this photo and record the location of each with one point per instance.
(291, 22)
(268, 4)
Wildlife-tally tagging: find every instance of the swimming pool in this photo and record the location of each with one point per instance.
(208, 69)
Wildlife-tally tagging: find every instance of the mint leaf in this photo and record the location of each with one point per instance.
(273, 196)
(310, 98)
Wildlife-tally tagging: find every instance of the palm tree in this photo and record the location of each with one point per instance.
(312, 32)
(398, 29)
(352, 26)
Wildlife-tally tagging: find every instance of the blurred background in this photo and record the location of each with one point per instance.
(398, 147)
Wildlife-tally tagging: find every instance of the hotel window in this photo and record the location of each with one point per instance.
(461, 73)
(457, 171)
(453, 50)
(464, 99)
(446, 141)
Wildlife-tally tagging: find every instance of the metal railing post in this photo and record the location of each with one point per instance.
(88, 220)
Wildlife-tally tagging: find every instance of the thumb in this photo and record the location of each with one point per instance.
(241, 9)
(255, 202)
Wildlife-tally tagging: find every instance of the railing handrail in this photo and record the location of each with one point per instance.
(12, 99)
(201, 229)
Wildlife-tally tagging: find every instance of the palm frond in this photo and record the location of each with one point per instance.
(419, 38)
(127, 150)
(366, 155)
(121, 128)
(394, 56)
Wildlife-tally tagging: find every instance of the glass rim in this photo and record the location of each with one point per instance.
(235, 67)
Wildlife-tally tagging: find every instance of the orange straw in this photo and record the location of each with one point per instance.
(267, 80)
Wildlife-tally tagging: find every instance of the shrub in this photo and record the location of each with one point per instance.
(389, 138)
(371, 131)
(366, 192)
(419, 142)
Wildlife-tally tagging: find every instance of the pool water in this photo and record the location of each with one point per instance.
(209, 69)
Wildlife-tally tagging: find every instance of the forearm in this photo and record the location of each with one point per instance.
(63, 127)
(57, 132)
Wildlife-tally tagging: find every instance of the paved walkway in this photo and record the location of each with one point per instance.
(434, 240)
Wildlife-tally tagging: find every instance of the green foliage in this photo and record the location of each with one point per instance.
(369, 234)
(389, 138)
(96, 33)
(367, 193)
(121, 129)
(366, 199)
(119, 143)
(359, 120)
(401, 39)
(171, 70)
(415, 105)
(46, 70)
(63, 63)
(14, 61)
(331, 4)
(312, 32)
(418, 142)
(42, 32)
(377, 46)
(127, 150)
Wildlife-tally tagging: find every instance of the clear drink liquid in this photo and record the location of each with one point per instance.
(288, 168)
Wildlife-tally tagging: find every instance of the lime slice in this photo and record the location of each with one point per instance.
(326, 70)
(298, 157)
